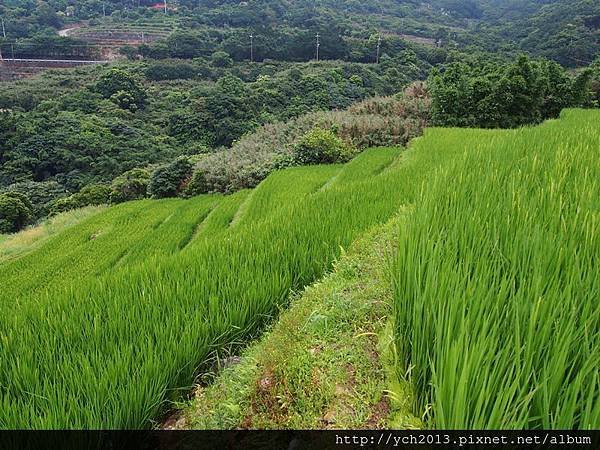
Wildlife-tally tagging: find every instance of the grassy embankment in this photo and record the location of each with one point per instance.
(328, 362)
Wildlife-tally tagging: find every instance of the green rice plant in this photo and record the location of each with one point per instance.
(14, 245)
(496, 280)
(87, 249)
(175, 232)
(367, 164)
(221, 217)
(283, 187)
(106, 322)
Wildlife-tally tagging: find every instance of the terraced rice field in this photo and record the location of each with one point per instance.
(497, 311)
(108, 33)
(128, 304)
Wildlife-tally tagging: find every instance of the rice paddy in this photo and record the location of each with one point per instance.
(496, 280)
(496, 307)
(107, 321)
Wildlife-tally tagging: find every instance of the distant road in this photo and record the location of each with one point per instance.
(67, 31)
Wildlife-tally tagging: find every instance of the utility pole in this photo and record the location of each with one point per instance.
(103, 10)
(378, 47)
(251, 48)
(3, 29)
(165, 6)
(318, 45)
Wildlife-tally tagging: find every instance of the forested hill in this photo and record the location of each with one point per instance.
(565, 30)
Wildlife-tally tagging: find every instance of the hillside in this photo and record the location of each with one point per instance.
(566, 31)
(136, 299)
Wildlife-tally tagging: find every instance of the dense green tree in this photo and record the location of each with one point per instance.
(595, 81)
(320, 146)
(157, 71)
(96, 194)
(122, 88)
(170, 180)
(493, 95)
(41, 194)
(132, 185)
(221, 59)
(15, 212)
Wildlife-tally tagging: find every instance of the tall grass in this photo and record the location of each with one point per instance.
(90, 339)
(496, 279)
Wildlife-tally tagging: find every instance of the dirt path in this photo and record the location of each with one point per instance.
(66, 32)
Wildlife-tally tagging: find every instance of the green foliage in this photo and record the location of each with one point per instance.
(170, 180)
(199, 184)
(595, 81)
(97, 194)
(132, 185)
(566, 31)
(320, 146)
(503, 95)
(16, 211)
(160, 70)
(384, 121)
(221, 59)
(41, 194)
(59, 127)
(121, 88)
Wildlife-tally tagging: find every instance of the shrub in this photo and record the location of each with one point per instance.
(124, 100)
(95, 194)
(168, 181)
(199, 184)
(380, 121)
(132, 185)
(62, 205)
(15, 211)
(320, 146)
